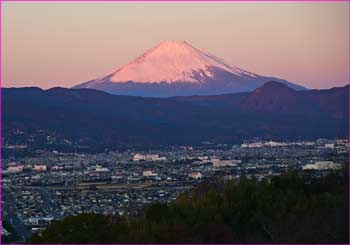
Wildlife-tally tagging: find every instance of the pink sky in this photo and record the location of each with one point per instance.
(66, 43)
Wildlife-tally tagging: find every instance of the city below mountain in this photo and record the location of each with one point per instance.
(95, 119)
(175, 68)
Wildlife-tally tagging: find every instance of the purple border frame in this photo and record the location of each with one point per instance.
(218, 1)
(197, 1)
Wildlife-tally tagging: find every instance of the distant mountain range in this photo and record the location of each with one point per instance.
(94, 118)
(176, 68)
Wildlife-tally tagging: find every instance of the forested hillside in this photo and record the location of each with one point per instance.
(286, 209)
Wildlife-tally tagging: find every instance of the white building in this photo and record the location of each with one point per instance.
(274, 144)
(322, 165)
(56, 168)
(196, 175)
(149, 173)
(202, 158)
(15, 169)
(252, 145)
(148, 157)
(39, 168)
(99, 168)
(330, 146)
(39, 220)
(224, 163)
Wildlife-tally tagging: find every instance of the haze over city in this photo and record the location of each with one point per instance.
(64, 44)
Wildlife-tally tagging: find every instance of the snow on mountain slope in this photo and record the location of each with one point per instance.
(172, 61)
(177, 68)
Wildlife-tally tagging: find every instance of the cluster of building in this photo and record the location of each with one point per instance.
(51, 185)
(322, 165)
(17, 168)
(148, 157)
(320, 143)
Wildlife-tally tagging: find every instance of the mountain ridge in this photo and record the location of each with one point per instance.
(98, 119)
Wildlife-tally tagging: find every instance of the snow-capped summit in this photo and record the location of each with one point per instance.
(172, 61)
(177, 68)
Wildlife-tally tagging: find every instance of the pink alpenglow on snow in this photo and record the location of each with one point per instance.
(176, 68)
(172, 61)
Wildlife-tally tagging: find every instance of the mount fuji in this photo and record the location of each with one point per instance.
(176, 68)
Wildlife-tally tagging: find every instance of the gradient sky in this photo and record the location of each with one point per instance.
(63, 44)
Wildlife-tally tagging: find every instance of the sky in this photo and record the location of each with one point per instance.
(66, 43)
